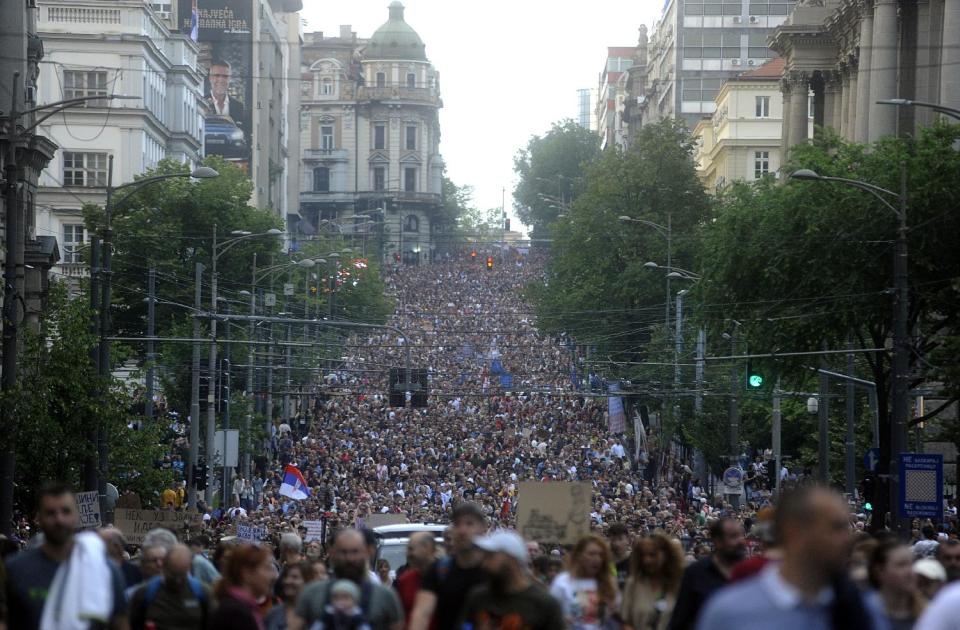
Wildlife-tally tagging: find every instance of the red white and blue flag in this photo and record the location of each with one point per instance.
(294, 485)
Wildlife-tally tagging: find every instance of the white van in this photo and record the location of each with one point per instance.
(393, 539)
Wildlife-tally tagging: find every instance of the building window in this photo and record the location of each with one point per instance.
(411, 80)
(326, 86)
(381, 79)
(763, 106)
(410, 179)
(411, 223)
(72, 241)
(88, 170)
(321, 179)
(411, 139)
(77, 83)
(379, 136)
(761, 163)
(379, 178)
(326, 137)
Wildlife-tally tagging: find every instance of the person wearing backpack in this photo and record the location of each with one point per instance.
(174, 599)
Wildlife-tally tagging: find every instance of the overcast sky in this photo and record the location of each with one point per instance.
(508, 68)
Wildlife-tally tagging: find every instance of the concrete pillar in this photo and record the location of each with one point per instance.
(785, 91)
(861, 113)
(799, 96)
(922, 115)
(854, 79)
(950, 55)
(843, 102)
(831, 97)
(839, 97)
(883, 70)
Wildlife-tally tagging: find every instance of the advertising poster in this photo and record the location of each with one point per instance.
(224, 31)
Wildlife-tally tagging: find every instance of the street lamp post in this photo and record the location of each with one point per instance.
(202, 172)
(217, 250)
(901, 344)
(904, 102)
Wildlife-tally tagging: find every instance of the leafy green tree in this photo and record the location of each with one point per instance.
(804, 265)
(549, 171)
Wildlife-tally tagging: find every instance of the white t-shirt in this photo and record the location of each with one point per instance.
(579, 601)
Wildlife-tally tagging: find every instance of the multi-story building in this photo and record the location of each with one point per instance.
(100, 47)
(609, 93)
(694, 47)
(740, 141)
(851, 54)
(370, 138)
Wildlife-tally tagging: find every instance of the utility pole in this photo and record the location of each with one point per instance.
(823, 421)
(850, 467)
(106, 371)
(225, 398)
(90, 461)
(734, 410)
(151, 333)
(901, 362)
(195, 391)
(777, 425)
(251, 385)
(212, 362)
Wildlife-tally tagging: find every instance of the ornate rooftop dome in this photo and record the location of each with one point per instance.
(395, 39)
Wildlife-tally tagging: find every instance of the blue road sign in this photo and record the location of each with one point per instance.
(921, 485)
(871, 459)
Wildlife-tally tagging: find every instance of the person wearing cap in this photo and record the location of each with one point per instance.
(445, 586)
(930, 575)
(510, 598)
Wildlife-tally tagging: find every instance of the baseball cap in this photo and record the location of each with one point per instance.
(930, 569)
(504, 541)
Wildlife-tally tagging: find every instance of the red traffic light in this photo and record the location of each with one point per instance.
(473, 254)
(489, 262)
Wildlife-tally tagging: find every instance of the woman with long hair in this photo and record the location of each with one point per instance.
(587, 590)
(293, 578)
(890, 570)
(247, 577)
(656, 567)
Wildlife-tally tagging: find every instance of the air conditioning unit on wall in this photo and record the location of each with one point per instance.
(735, 62)
(754, 19)
(737, 19)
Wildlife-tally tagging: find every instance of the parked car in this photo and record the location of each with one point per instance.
(393, 540)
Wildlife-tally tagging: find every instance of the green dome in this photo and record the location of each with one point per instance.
(395, 39)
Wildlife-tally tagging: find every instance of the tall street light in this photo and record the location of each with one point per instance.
(666, 231)
(903, 102)
(901, 343)
(217, 250)
(202, 172)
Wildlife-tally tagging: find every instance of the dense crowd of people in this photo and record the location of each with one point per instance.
(506, 405)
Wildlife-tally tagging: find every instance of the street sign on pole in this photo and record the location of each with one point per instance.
(921, 485)
(231, 449)
(733, 481)
(871, 459)
(269, 299)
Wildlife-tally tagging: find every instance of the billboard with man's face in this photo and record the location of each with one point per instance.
(224, 30)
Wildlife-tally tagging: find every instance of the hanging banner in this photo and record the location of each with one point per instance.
(617, 421)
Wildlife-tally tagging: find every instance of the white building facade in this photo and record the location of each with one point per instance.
(100, 47)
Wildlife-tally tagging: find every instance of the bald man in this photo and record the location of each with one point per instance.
(421, 552)
(380, 604)
(174, 599)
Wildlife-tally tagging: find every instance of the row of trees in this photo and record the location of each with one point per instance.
(168, 227)
(774, 266)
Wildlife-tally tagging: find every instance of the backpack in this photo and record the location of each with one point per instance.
(152, 589)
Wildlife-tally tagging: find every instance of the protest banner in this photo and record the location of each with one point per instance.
(136, 523)
(556, 512)
(252, 533)
(88, 505)
(314, 530)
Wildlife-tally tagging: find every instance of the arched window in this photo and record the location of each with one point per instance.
(321, 179)
(411, 223)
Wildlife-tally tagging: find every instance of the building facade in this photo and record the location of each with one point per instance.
(99, 47)
(741, 140)
(694, 47)
(370, 137)
(852, 53)
(610, 95)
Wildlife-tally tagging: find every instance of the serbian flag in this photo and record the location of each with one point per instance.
(294, 485)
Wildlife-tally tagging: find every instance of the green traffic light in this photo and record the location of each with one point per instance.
(868, 507)
(755, 380)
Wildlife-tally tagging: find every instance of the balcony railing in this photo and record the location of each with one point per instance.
(399, 93)
(325, 154)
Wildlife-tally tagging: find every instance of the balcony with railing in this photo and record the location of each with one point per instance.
(337, 155)
(400, 92)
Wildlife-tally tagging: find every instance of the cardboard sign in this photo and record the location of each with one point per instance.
(556, 512)
(314, 530)
(88, 505)
(379, 520)
(253, 533)
(136, 523)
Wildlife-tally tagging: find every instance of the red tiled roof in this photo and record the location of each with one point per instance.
(773, 69)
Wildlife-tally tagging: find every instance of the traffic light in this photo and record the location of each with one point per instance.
(200, 475)
(754, 377)
(489, 262)
(473, 255)
(868, 491)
